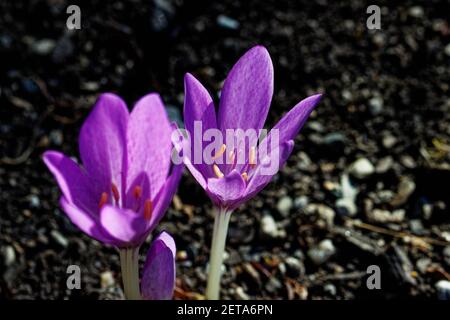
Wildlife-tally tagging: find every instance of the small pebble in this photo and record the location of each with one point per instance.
(443, 289)
(301, 202)
(107, 279)
(447, 50)
(285, 205)
(9, 255)
(422, 264)
(376, 105)
(43, 47)
(59, 238)
(346, 207)
(295, 266)
(240, 293)
(270, 228)
(385, 216)
(227, 22)
(34, 201)
(416, 12)
(322, 252)
(362, 168)
(330, 289)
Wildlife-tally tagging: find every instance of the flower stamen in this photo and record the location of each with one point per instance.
(103, 200)
(252, 157)
(115, 193)
(245, 176)
(220, 152)
(217, 171)
(232, 156)
(137, 192)
(148, 209)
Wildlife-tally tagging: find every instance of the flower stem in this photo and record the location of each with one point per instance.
(129, 262)
(216, 256)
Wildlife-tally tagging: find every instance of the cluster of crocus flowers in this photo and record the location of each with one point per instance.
(127, 179)
(124, 186)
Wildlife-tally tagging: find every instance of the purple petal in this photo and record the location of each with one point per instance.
(259, 179)
(158, 276)
(103, 143)
(72, 181)
(198, 106)
(149, 142)
(227, 190)
(247, 92)
(163, 199)
(87, 223)
(289, 126)
(124, 225)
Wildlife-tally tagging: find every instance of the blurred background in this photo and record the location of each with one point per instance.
(367, 184)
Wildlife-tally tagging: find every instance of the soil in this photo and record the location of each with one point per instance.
(386, 100)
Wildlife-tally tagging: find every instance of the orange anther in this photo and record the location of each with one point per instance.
(252, 157)
(115, 192)
(232, 156)
(137, 192)
(148, 209)
(103, 200)
(220, 152)
(217, 171)
(245, 176)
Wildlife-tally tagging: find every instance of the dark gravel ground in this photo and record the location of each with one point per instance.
(305, 236)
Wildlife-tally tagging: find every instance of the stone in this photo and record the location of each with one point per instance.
(346, 207)
(443, 289)
(385, 216)
(9, 256)
(285, 205)
(330, 289)
(322, 252)
(376, 105)
(362, 168)
(59, 238)
(107, 279)
(43, 47)
(227, 22)
(295, 266)
(269, 227)
(416, 12)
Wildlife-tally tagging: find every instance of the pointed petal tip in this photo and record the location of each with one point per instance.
(167, 240)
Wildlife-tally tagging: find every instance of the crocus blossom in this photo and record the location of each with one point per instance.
(126, 180)
(244, 104)
(158, 276)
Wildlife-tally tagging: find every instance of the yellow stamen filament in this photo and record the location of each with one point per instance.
(103, 200)
(217, 171)
(231, 156)
(115, 192)
(137, 192)
(220, 152)
(245, 176)
(148, 209)
(252, 157)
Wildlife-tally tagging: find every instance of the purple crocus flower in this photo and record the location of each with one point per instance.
(244, 104)
(124, 185)
(126, 182)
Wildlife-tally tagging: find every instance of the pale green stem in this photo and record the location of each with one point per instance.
(219, 237)
(129, 262)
